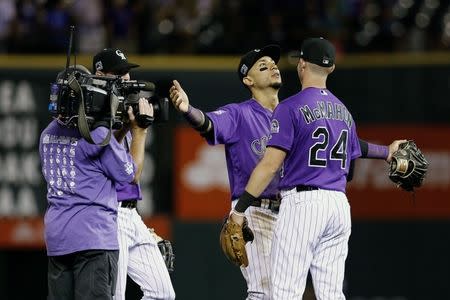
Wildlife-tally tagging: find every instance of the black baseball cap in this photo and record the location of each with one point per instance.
(318, 51)
(112, 60)
(251, 57)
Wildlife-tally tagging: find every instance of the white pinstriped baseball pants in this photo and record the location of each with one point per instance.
(139, 256)
(257, 273)
(312, 234)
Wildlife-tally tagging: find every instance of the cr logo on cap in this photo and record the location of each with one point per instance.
(99, 66)
(119, 53)
(244, 69)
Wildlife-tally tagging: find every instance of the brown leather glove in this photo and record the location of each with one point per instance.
(233, 238)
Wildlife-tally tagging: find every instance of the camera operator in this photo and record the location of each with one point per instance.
(81, 218)
(139, 254)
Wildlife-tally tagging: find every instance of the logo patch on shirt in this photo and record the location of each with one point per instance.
(274, 126)
(219, 112)
(128, 168)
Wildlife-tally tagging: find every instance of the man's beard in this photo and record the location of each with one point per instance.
(276, 85)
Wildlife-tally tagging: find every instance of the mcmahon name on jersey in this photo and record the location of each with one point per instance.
(327, 110)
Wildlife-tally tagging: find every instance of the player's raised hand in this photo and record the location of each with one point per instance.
(394, 147)
(179, 97)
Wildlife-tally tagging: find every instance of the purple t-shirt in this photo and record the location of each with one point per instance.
(244, 129)
(81, 194)
(319, 135)
(128, 190)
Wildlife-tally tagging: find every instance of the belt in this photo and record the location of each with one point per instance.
(272, 204)
(304, 188)
(128, 204)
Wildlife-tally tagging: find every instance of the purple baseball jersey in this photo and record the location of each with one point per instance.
(82, 199)
(244, 129)
(128, 190)
(319, 135)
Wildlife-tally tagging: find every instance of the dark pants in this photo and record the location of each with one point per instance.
(83, 275)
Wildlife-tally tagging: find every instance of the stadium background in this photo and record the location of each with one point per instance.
(393, 72)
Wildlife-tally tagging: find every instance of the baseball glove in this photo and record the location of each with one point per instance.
(233, 238)
(408, 166)
(167, 253)
(166, 249)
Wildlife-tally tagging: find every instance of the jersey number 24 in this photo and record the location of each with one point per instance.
(338, 151)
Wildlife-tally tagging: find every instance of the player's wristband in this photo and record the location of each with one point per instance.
(244, 202)
(195, 117)
(369, 150)
(204, 127)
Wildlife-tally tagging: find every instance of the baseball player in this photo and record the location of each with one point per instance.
(313, 141)
(139, 255)
(244, 129)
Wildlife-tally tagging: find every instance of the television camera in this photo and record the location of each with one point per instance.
(85, 101)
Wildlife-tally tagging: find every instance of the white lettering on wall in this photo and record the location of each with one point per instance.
(20, 173)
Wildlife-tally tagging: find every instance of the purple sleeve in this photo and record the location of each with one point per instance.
(377, 151)
(226, 121)
(115, 161)
(127, 191)
(355, 146)
(282, 128)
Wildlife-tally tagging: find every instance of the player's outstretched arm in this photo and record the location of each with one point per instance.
(369, 150)
(195, 117)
